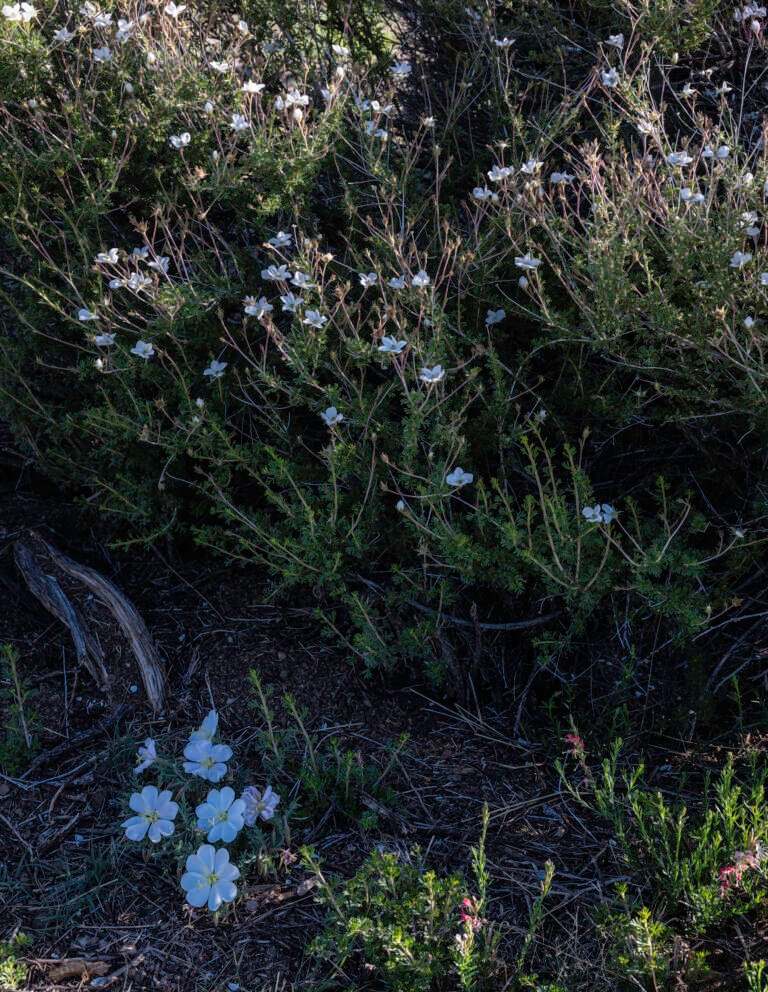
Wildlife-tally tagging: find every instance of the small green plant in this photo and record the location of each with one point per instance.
(331, 778)
(707, 860)
(756, 975)
(648, 954)
(399, 921)
(13, 971)
(18, 743)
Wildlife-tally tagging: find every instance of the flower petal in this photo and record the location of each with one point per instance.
(138, 803)
(226, 890)
(136, 828)
(167, 810)
(228, 873)
(197, 895)
(207, 855)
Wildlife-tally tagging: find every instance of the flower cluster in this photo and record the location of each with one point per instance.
(732, 876)
(209, 879)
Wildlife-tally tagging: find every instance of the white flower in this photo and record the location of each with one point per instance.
(482, 193)
(147, 755)
(332, 416)
(107, 257)
(340, 50)
(531, 166)
(600, 513)
(160, 264)
(495, 317)
(180, 140)
(561, 177)
(391, 346)
(221, 815)
(294, 98)
(281, 240)
(679, 158)
(251, 87)
(458, 478)
(527, 262)
(140, 253)
(367, 279)
(239, 123)
(764, 278)
(302, 280)
(740, 259)
(87, 315)
(496, 174)
(102, 54)
(124, 31)
(207, 729)
(137, 282)
(722, 152)
(207, 760)
(143, 349)
(615, 40)
(397, 282)
(216, 369)
(749, 323)
(688, 196)
(744, 181)
(373, 131)
(172, 10)
(688, 91)
(155, 815)
(63, 35)
(522, 282)
(275, 273)
(401, 69)
(242, 27)
(645, 126)
(724, 89)
(420, 280)
(503, 42)
(209, 878)
(208, 107)
(219, 66)
(257, 308)
(258, 804)
(19, 12)
(431, 375)
(609, 78)
(104, 340)
(291, 302)
(314, 318)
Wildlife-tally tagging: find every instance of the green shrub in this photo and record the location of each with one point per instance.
(208, 413)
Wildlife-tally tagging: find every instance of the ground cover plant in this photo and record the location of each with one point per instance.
(431, 336)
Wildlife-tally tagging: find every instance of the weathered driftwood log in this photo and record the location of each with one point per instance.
(47, 590)
(31, 555)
